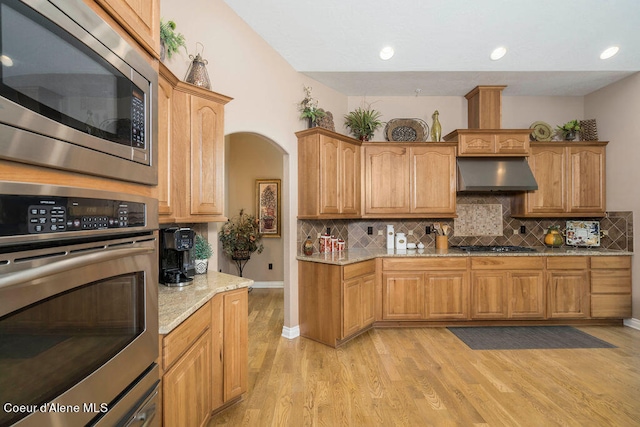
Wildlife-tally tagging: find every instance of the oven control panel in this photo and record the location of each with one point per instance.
(41, 214)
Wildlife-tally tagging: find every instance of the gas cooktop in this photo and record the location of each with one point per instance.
(495, 248)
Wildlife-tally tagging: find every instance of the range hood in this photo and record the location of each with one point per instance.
(495, 174)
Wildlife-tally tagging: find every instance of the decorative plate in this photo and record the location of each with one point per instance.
(541, 131)
(411, 130)
(583, 233)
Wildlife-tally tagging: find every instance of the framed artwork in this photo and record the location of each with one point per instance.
(268, 206)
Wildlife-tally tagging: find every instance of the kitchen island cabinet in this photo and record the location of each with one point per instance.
(571, 181)
(203, 347)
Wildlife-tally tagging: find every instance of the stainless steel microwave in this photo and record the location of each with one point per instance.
(74, 95)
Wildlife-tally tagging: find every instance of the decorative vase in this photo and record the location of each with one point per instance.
(312, 123)
(436, 129)
(197, 73)
(553, 238)
(307, 246)
(570, 135)
(201, 266)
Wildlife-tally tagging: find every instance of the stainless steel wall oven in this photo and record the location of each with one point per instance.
(78, 306)
(74, 95)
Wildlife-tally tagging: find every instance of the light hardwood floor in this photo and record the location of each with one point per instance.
(427, 377)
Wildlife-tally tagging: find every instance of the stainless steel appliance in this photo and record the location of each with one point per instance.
(78, 306)
(177, 259)
(74, 94)
(495, 248)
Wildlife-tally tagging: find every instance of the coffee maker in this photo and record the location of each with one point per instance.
(177, 259)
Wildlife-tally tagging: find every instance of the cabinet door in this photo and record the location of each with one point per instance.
(512, 144)
(568, 294)
(236, 357)
(387, 180)
(587, 177)
(489, 295)
(165, 91)
(526, 295)
(549, 168)
(447, 295)
(207, 155)
(352, 309)
(433, 180)
(349, 179)
(403, 296)
(368, 299)
(140, 18)
(329, 176)
(187, 386)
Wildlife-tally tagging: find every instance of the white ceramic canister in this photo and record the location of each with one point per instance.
(325, 244)
(390, 236)
(334, 244)
(340, 245)
(401, 242)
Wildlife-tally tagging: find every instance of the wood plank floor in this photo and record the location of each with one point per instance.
(427, 377)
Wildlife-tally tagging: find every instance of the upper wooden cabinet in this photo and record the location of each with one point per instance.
(190, 151)
(409, 180)
(490, 142)
(140, 18)
(329, 179)
(571, 181)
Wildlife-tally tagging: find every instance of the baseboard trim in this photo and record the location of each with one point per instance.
(632, 323)
(291, 333)
(268, 285)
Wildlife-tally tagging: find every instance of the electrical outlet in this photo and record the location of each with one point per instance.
(379, 232)
(369, 231)
(427, 230)
(270, 266)
(410, 233)
(523, 229)
(515, 231)
(329, 231)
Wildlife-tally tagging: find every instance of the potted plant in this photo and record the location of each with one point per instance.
(568, 130)
(309, 108)
(170, 41)
(363, 123)
(240, 237)
(203, 252)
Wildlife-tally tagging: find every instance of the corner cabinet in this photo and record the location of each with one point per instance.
(190, 151)
(409, 180)
(329, 179)
(571, 181)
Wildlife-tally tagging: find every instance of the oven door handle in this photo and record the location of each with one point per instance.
(31, 274)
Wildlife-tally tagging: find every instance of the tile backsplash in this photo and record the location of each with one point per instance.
(482, 220)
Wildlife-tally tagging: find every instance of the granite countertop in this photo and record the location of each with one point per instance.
(351, 256)
(176, 304)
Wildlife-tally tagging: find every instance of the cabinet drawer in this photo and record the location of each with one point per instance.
(181, 338)
(359, 269)
(616, 306)
(512, 143)
(507, 263)
(567, 262)
(418, 264)
(480, 143)
(609, 262)
(611, 281)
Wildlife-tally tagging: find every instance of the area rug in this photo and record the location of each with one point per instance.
(526, 338)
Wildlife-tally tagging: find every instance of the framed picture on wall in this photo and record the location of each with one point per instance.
(268, 206)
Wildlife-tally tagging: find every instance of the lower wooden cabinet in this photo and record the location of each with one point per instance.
(205, 360)
(611, 287)
(335, 302)
(403, 296)
(568, 287)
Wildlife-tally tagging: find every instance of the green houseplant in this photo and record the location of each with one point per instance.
(170, 41)
(240, 237)
(363, 123)
(568, 130)
(203, 252)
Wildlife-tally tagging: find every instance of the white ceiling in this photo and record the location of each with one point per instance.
(442, 47)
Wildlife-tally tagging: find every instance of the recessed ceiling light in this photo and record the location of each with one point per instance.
(386, 53)
(609, 52)
(498, 53)
(6, 61)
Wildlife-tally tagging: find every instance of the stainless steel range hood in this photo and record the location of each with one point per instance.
(495, 174)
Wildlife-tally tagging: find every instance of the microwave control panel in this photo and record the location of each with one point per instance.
(137, 119)
(37, 215)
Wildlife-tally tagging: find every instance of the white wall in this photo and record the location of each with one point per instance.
(616, 109)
